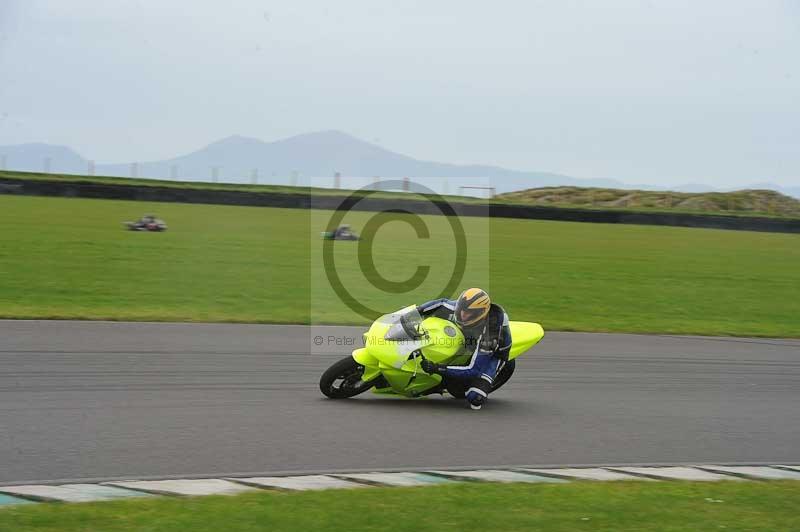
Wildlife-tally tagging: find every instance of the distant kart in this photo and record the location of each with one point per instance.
(155, 225)
(331, 235)
(342, 233)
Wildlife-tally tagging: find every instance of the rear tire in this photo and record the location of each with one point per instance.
(458, 389)
(504, 375)
(343, 380)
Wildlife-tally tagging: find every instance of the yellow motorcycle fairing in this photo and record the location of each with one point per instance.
(437, 339)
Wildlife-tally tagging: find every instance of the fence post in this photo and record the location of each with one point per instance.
(90, 170)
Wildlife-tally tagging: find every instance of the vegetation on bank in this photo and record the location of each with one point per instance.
(749, 202)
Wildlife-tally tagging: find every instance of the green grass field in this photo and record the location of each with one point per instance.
(70, 258)
(613, 507)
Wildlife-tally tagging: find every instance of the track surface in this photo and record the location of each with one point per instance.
(98, 400)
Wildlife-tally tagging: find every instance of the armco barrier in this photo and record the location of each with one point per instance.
(76, 189)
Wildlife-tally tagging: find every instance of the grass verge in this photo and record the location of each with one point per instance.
(70, 258)
(205, 185)
(617, 506)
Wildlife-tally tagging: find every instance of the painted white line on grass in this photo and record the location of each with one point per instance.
(497, 475)
(206, 486)
(768, 473)
(301, 483)
(398, 479)
(588, 473)
(676, 473)
(72, 492)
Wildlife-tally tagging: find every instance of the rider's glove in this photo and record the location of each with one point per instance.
(432, 367)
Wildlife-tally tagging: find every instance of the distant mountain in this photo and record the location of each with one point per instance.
(312, 155)
(37, 157)
(322, 154)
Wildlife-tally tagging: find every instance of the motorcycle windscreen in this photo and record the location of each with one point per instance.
(393, 337)
(524, 335)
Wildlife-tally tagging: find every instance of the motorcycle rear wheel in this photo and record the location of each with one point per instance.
(459, 390)
(343, 380)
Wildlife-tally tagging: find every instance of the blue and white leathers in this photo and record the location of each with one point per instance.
(490, 343)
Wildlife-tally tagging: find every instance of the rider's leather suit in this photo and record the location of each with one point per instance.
(489, 341)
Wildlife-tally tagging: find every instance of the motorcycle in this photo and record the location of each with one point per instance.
(394, 348)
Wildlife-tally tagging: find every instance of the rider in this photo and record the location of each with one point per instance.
(146, 220)
(486, 334)
(343, 231)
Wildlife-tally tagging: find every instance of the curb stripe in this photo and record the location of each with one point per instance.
(8, 500)
(758, 473)
(86, 492)
(189, 487)
(496, 475)
(675, 473)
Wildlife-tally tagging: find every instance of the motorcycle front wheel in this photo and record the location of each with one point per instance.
(343, 380)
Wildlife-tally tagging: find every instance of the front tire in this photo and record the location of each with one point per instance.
(343, 380)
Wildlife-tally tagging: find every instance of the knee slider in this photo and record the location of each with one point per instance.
(476, 397)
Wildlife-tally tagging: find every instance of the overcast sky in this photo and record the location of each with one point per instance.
(657, 92)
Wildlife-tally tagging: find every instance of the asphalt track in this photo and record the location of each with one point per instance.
(84, 400)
